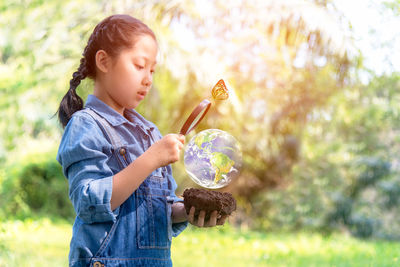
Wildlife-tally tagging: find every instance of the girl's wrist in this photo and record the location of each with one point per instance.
(151, 159)
(178, 212)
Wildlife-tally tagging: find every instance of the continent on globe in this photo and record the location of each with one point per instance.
(222, 164)
(202, 139)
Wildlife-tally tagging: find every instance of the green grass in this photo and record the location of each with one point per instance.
(34, 243)
(45, 243)
(220, 247)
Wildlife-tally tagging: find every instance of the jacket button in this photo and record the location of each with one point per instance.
(92, 208)
(122, 151)
(98, 264)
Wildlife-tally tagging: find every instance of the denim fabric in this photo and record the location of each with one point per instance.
(97, 143)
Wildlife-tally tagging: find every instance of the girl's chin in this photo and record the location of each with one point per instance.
(134, 102)
(132, 105)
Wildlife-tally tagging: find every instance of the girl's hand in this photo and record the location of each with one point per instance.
(167, 150)
(213, 221)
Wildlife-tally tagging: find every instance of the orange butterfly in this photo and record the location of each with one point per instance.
(219, 91)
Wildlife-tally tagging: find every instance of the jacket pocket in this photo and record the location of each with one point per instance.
(153, 216)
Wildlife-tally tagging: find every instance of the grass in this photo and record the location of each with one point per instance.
(43, 242)
(34, 243)
(235, 248)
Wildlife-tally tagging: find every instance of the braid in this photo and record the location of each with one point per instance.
(72, 102)
(78, 75)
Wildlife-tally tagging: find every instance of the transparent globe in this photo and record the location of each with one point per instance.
(213, 158)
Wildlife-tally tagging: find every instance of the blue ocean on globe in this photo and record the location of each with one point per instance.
(213, 158)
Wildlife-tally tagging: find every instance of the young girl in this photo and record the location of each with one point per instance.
(116, 161)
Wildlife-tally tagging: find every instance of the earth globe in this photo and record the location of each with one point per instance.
(212, 158)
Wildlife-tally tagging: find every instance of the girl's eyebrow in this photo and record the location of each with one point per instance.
(145, 58)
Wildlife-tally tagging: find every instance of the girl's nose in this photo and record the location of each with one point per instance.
(148, 80)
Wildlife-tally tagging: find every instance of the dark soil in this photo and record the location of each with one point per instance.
(208, 201)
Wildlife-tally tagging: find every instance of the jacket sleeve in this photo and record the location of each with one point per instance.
(84, 164)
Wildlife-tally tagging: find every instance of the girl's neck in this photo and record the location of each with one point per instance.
(102, 94)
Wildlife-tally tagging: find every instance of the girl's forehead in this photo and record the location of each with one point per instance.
(145, 48)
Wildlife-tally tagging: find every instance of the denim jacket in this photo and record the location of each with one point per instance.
(97, 143)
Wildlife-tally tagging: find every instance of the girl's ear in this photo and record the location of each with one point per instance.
(102, 61)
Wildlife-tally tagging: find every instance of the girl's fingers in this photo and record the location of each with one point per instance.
(200, 220)
(181, 138)
(221, 220)
(213, 219)
(191, 215)
(180, 146)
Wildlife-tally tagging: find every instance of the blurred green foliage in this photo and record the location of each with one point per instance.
(348, 175)
(35, 187)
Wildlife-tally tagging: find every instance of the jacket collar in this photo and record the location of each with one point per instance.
(113, 117)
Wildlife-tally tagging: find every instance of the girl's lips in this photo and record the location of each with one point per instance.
(142, 94)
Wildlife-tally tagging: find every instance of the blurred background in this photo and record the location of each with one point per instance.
(316, 108)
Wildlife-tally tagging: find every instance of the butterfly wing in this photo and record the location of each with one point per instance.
(219, 91)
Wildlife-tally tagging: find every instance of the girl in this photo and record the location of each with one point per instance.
(116, 161)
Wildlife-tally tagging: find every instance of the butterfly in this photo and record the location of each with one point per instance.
(219, 91)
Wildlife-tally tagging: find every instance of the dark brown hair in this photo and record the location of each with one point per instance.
(112, 34)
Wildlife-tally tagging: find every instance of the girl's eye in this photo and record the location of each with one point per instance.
(139, 67)
(152, 71)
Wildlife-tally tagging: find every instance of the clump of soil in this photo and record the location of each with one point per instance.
(208, 201)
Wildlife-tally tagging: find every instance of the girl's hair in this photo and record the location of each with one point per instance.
(113, 34)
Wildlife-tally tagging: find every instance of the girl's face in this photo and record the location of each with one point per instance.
(130, 76)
